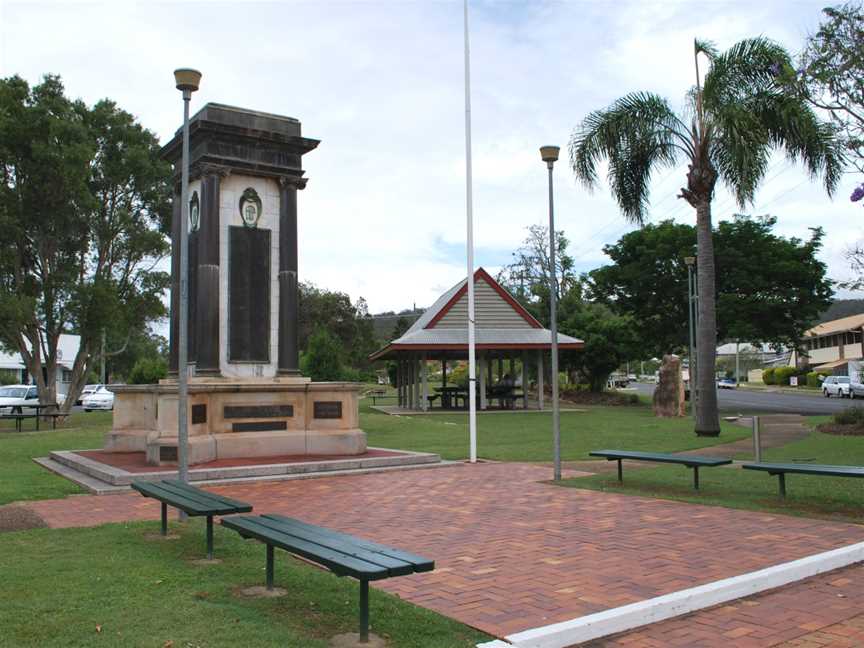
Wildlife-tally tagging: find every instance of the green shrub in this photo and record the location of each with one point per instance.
(768, 376)
(323, 358)
(782, 375)
(148, 371)
(815, 378)
(850, 416)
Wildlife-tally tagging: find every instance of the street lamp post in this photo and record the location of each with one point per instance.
(187, 82)
(549, 154)
(691, 309)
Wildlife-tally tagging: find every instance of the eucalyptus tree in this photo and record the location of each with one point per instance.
(736, 115)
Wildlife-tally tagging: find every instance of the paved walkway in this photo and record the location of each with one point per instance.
(826, 611)
(511, 551)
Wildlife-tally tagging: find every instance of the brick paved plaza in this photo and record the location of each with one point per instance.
(513, 552)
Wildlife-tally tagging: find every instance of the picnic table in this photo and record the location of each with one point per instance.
(19, 417)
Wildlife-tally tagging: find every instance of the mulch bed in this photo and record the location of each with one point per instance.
(19, 518)
(841, 430)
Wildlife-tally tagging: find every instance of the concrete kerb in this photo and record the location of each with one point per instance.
(635, 615)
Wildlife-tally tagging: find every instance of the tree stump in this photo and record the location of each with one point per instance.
(669, 395)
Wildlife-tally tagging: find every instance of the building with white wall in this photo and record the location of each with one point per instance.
(13, 370)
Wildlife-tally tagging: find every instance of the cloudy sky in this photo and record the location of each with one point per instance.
(381, 84)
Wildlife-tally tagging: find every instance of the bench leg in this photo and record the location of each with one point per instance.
(209, 537)
(696, 477)
(164, 519)
(364, 611)
(37, 421)
(269, 567)
(620, 473)
(782, 477)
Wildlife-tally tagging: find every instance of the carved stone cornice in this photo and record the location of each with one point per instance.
(292, 182)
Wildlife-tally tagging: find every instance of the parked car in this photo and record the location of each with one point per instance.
(14, 397)
(88, 389)
(840, 386)
(727, 383)
(101, 399)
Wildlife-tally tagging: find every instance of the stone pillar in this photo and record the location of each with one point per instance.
(289, 353)
(174, 329)
(207, 290)
(540, 396)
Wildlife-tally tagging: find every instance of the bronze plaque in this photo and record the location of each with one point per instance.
(199, 414)
(168, 453)
(259, 426)
(327, 410)
(258, 411)
(248, 295)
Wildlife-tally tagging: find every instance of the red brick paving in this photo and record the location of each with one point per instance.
(512, 552)
(821, 612)
(136, 462)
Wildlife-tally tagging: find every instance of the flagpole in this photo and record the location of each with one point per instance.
(472, 369)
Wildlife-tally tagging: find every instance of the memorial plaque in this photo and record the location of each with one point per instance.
(248, 294)
(259, 426)
(258, 411)
(199, 414)
(168, 453)
(327, 410)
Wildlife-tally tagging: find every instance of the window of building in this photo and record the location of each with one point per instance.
(66, 376)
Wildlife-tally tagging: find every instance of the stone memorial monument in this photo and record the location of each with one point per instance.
(668, 397)
(246, 395)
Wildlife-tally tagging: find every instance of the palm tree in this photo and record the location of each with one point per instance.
(735, 117)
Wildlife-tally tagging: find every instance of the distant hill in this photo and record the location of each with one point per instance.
(384, 323)
(842, 308)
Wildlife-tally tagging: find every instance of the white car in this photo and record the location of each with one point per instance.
(14, 397)
(88, 389)
(101, 399)
(840, 386)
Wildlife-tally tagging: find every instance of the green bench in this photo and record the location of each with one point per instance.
(194, 501)
(780, 469)
(691, 461)
(343, 554)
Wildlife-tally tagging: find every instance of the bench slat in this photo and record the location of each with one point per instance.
(333, 560)
(419, 563)
(808, 469)
(328, 540)
(188, 498)
(687, 460)
(240, 507)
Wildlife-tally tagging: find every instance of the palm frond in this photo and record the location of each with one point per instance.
(706, 47)
(748, 67)
(638, 134)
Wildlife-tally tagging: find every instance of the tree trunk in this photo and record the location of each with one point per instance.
(707, 417)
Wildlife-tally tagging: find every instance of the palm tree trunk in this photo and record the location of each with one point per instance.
(707, 419)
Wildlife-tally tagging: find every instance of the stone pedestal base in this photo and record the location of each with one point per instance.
(238, 418)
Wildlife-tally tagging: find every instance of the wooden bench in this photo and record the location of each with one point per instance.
(194, 501)
(780, 469)
(691, 461)
(343, 554)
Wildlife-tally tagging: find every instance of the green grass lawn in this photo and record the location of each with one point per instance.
(21, 479)
(527, 436)
(111, 586)
(835, 498)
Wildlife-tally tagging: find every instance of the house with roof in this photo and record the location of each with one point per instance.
(13, 369)
(504, 333)
(832, 345)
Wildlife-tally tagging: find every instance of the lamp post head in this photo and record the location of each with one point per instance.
(549, 154)
(187, 79)
(690, 260)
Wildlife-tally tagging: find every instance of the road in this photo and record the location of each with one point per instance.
(745, 401)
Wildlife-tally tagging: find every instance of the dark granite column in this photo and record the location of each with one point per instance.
(207, 288)
(289, 353)
(175, 284)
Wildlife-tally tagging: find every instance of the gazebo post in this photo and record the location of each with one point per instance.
(500, 366)
(444, 370)
(398, 384)
(424, 394)
(524, 381)
(540, 396)
(416, 366)
(481, 360)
